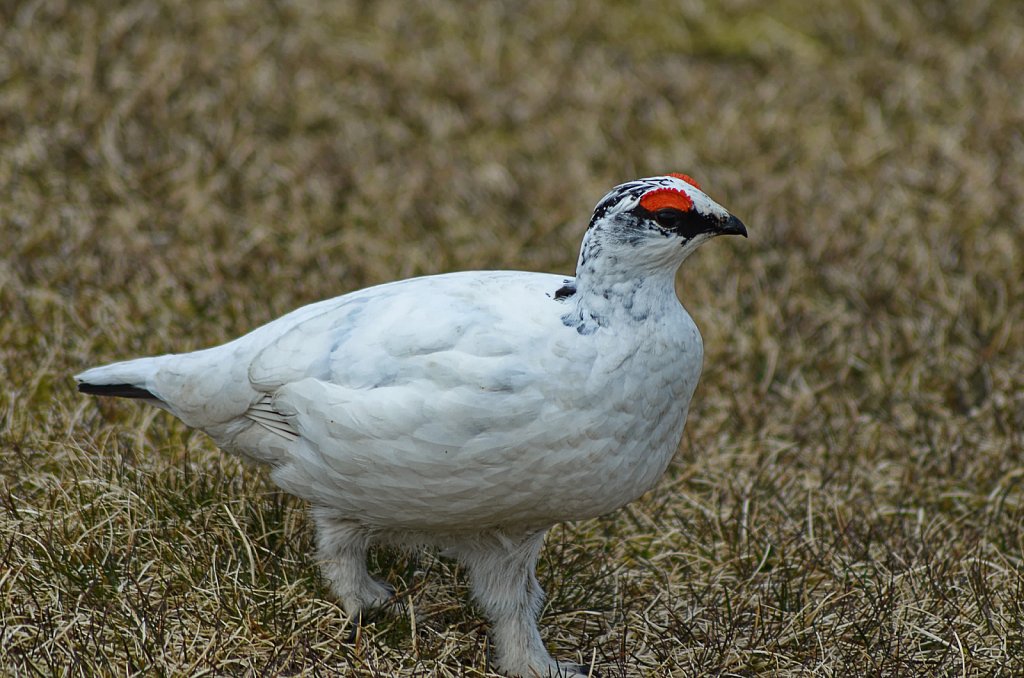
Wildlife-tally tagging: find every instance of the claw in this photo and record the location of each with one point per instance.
(350, 639)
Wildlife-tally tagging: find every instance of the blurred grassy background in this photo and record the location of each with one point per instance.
(847, 500)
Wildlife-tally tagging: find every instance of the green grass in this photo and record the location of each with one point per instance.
(849, 495)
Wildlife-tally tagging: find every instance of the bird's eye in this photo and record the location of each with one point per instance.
(668, 218)
(687, 224)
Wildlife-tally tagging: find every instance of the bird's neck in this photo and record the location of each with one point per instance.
(610, 296)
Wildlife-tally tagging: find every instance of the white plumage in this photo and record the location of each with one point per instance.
(470, 411)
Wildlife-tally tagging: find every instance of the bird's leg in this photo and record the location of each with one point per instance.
(502, 578)
(341, 548)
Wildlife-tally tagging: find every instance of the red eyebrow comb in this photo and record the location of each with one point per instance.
(687, 178)
(666, 198)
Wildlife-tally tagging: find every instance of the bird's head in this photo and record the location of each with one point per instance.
(654, 223)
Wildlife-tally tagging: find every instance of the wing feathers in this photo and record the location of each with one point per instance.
(263, 413)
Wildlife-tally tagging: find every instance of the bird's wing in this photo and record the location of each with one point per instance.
(454, 335)
(437, 388)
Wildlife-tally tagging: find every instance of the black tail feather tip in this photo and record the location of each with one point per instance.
(116, 390)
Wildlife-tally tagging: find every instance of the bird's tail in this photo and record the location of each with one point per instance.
(128, 379)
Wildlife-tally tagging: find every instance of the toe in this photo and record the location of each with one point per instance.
(387, 594)
(371, 605)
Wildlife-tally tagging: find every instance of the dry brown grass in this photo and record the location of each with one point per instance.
(848, 499)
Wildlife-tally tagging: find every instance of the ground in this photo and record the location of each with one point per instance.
(849, 494)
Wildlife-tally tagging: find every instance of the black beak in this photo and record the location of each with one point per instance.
(733, 226)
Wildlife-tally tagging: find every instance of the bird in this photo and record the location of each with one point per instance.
(468, 411)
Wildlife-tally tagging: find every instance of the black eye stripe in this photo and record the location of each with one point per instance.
(687, 224)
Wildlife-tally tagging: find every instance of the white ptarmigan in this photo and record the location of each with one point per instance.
(470, 411)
